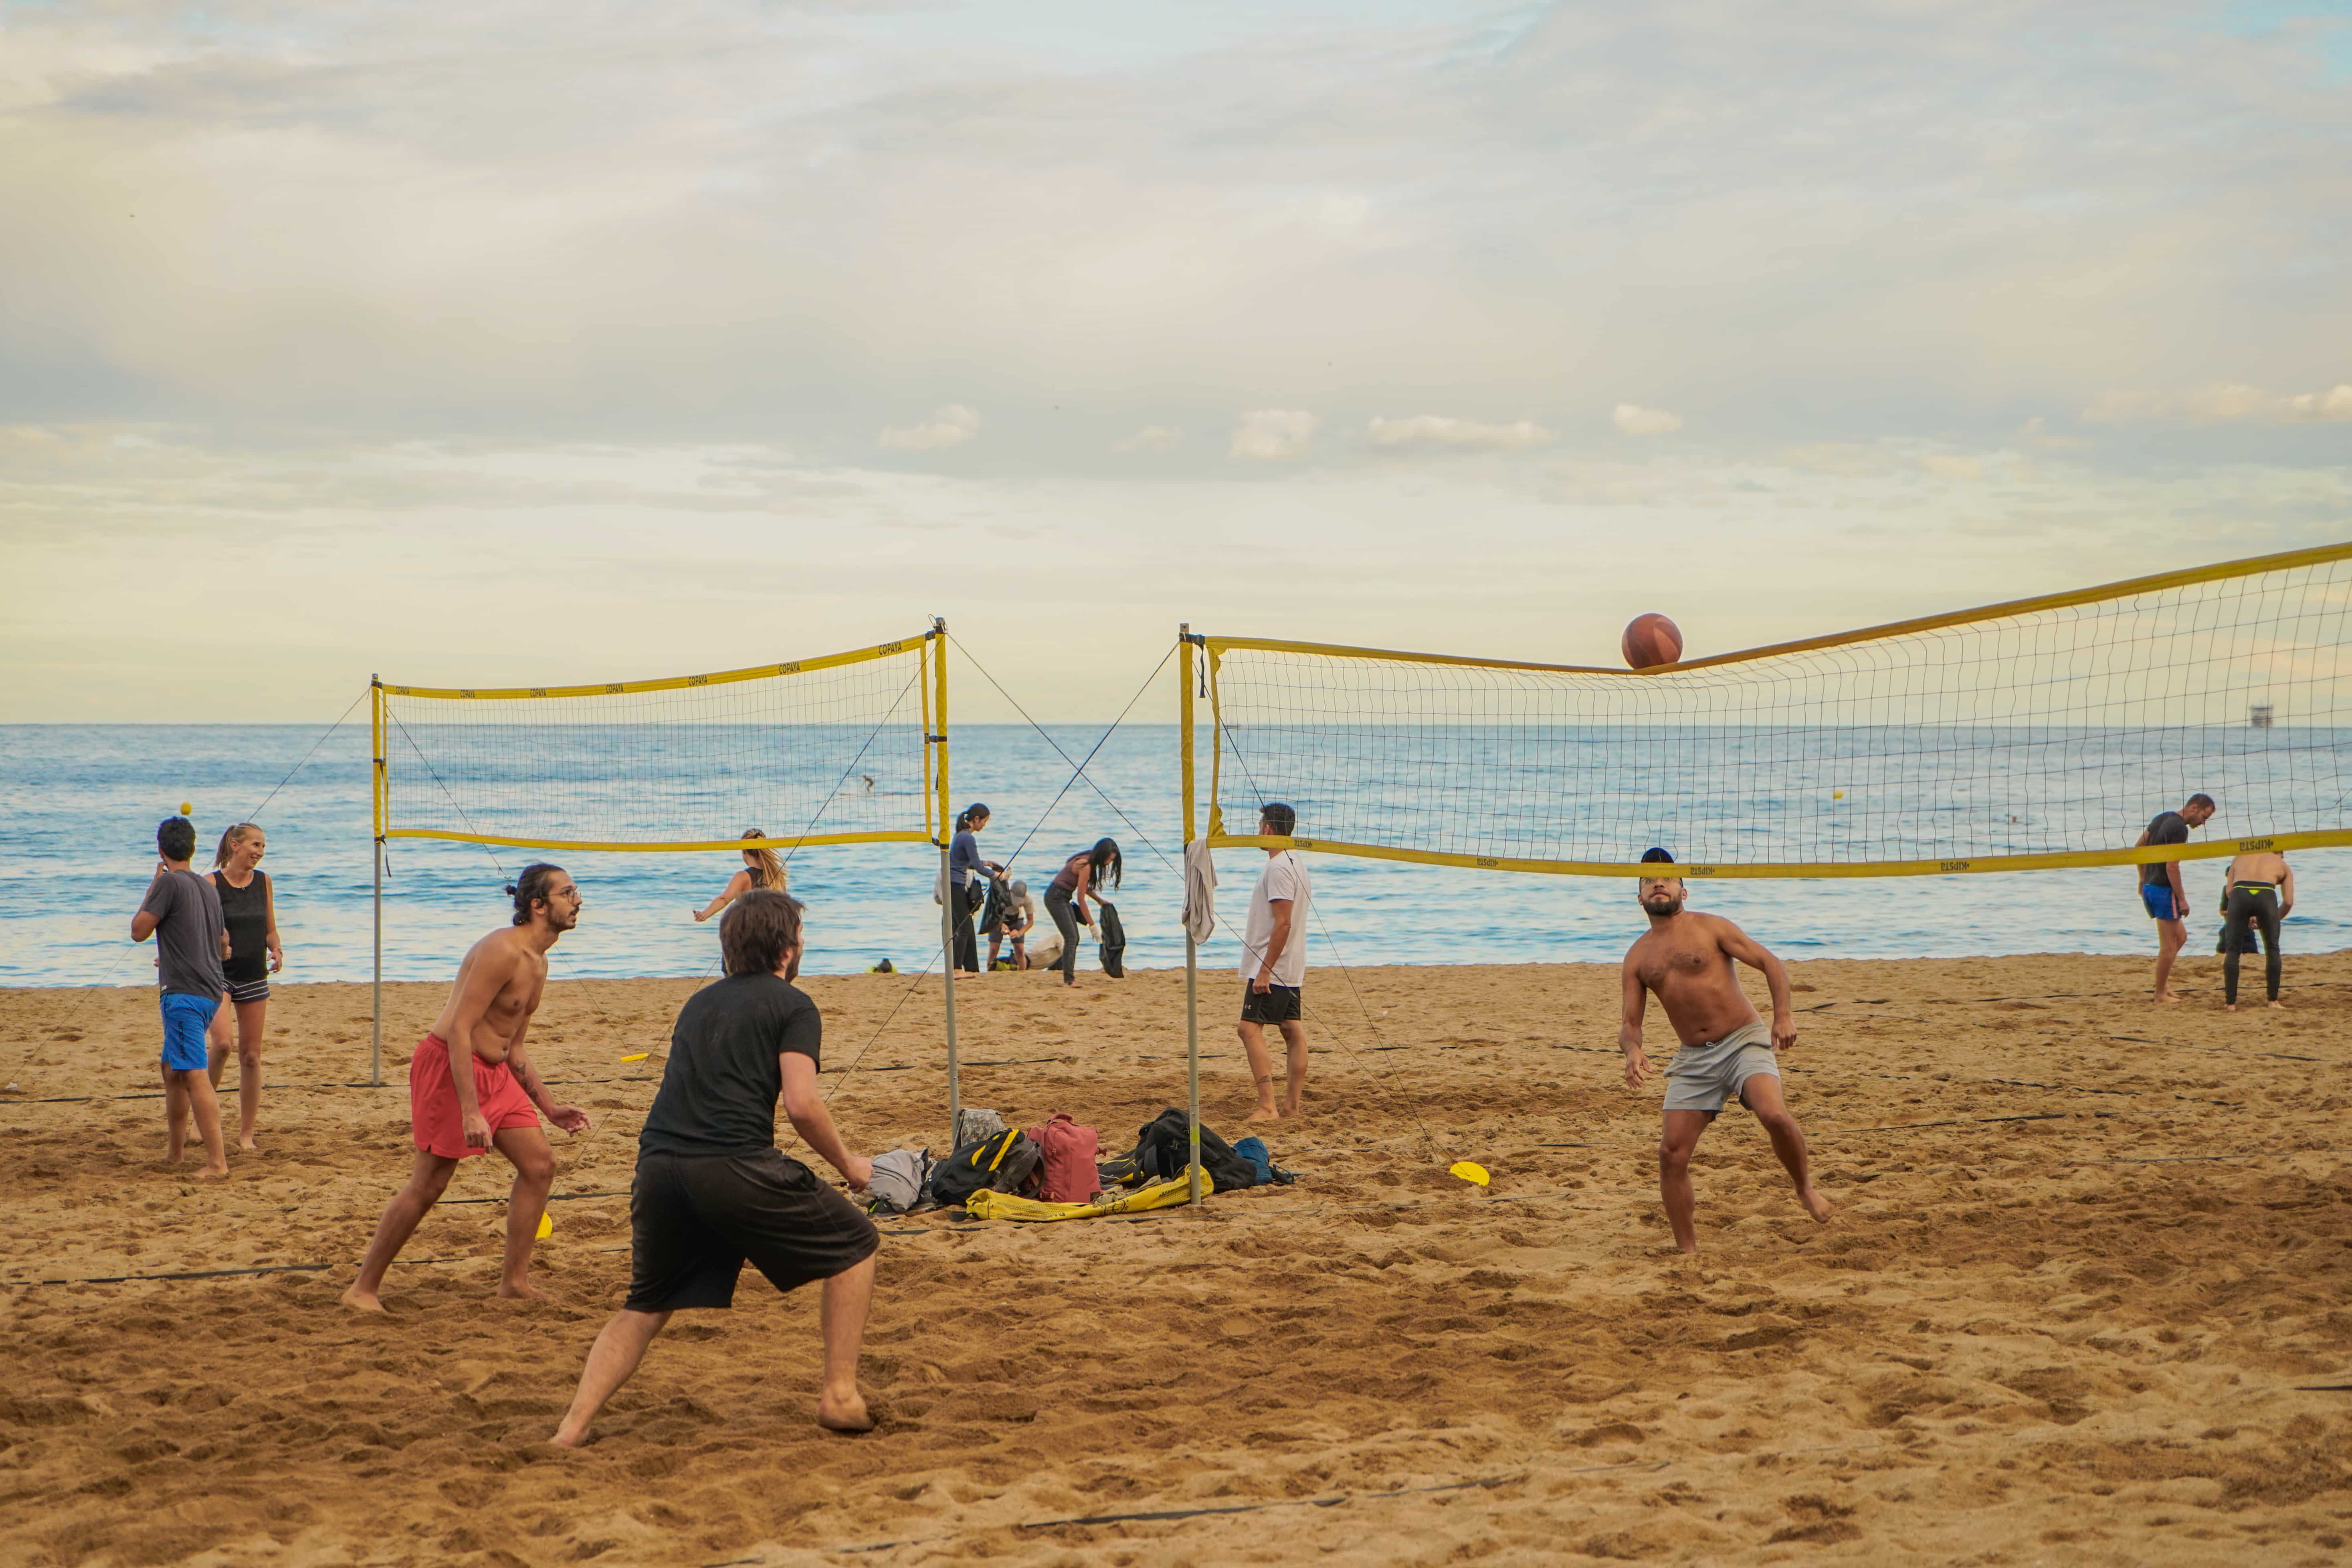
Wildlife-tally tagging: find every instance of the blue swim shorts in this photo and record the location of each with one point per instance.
(2157, 897)
(185, 1019)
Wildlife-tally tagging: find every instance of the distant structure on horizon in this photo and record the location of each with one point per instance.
(2261, 715)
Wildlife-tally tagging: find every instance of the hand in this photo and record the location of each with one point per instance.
(277, 959)
(477, 1130)
(162, 866)
(571, 1117)
(1784, 1032)
(1261, 983)
(1637, 1067)
(858, 1173)
(700, 916)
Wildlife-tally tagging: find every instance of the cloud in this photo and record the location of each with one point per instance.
(2232, 401)
(950, 427)
(1434, 430)
(1272, 435)
(1635, 420)
(1150, 438)
(1952, 465)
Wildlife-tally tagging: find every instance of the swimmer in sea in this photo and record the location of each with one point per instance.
(1727, 1051)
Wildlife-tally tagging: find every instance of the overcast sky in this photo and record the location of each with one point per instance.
(517, 343)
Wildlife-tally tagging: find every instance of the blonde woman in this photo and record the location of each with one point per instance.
(762, 868)
(249, 909)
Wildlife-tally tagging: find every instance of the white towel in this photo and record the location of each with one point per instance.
(1199, 891)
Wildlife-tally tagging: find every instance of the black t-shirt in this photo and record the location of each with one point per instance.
(719, 1092)
(2168, 827)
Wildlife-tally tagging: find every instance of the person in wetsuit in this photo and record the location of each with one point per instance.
(249, 908)
(2258, 893)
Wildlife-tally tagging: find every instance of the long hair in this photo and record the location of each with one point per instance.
(767, 867)
(1104, 859)
(531, 888)
(231, 839)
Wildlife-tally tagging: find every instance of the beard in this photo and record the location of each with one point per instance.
(1661, 906)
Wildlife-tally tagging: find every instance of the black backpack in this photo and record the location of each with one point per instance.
(1114, 942)
(1163, 1150)
(1000, 1163)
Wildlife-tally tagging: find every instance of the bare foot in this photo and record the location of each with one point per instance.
(2167, 997)
(211, 1172)
(1815, 1205)
(2229, 1006)
(2278, 1006)
(525, 1291)
(248, 1144)
(1263, 1113)
(848, 1415)
(565, 1438)
(1290, 1110)
(360, 1300)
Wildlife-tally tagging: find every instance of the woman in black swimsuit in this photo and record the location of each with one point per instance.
(250, 911)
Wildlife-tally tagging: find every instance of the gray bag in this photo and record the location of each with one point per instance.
(897, 1182)
(972, 1125)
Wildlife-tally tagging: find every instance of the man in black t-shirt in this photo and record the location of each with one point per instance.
(2160, 889)
(712, 1190)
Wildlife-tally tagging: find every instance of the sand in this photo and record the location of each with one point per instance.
(2084, 1338)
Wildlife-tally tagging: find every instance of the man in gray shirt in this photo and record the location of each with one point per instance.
(181, 912)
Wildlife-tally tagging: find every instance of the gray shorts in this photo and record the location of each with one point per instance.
(1702, 1076)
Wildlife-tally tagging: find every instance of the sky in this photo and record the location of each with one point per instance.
(524, 343)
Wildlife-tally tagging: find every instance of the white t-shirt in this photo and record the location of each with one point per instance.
(1285, 877)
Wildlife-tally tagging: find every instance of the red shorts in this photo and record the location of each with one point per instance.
(434, 1120)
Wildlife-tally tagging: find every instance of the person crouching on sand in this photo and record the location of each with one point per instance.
(1687, 958)
(713, 1191)
(471, 1087)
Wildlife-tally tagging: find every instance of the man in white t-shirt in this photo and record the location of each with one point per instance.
(1274, 965)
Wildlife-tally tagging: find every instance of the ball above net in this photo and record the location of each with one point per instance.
(1651, 639)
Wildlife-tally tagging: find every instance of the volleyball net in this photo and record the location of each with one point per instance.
(849, 748)
(2040, 733)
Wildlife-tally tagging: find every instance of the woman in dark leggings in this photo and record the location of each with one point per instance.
(2261, 891)
(1088, 871)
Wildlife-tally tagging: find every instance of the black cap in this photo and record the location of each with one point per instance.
(1654, 856)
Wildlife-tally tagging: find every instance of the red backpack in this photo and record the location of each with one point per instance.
(1067, 1168)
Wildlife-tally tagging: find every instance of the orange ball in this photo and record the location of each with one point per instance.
(1650, 640)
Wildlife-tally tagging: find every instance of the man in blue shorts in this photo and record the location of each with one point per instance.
(2160, 890)
(182, 913)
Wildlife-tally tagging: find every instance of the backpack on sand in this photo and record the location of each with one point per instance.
(1067, 1161)
(999, 1164)
(1163, 1151)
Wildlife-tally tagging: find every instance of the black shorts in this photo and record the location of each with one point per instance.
(695, 1220)
(1275, 1005)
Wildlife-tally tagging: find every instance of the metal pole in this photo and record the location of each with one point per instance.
(951, 903)
(375, 857)
(1191, 948)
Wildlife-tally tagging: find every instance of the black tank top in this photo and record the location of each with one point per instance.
(247, 911)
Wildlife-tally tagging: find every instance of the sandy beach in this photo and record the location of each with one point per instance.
(2088, 1256)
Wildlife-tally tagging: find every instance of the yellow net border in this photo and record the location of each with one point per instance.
(1211, 649)
(936, 808)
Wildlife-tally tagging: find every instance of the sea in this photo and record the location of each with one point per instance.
(78, 805)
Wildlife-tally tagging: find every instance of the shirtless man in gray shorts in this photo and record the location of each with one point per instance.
(1726, 1051)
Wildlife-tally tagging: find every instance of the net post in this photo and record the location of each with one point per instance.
(1191, 948)
(951, 896)
(375, 860)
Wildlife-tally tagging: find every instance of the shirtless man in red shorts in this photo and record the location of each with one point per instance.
(454, 1114)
